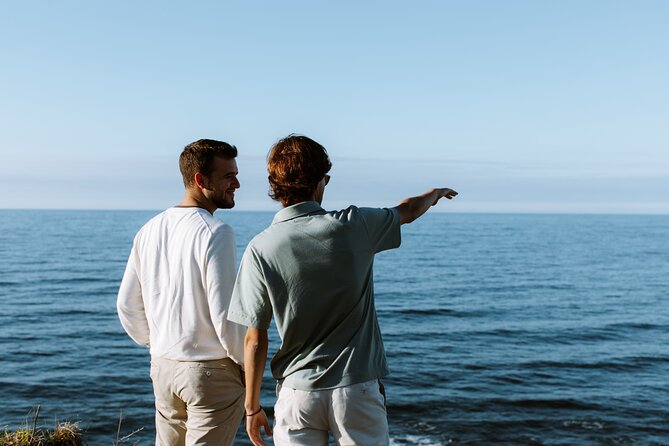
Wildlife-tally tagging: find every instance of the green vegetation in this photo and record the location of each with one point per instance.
(63, 434)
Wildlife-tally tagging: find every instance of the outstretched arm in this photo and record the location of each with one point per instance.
(255, 356)
(412, 208)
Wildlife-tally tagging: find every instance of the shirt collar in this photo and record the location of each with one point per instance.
(298, 210)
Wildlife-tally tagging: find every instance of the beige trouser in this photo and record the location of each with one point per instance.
(197, 403)
(355, 415)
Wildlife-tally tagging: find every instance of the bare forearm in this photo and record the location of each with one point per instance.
(413, 207)
(255, 356)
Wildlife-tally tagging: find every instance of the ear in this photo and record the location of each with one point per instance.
(200, 180)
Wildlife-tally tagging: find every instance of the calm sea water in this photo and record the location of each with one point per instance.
(500, 329)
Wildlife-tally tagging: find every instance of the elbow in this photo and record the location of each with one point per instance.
(255, 340)
(121, 308)
(251, 344)
(407, 212)
(413, 215)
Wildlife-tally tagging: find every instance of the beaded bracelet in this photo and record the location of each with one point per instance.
(254, 413)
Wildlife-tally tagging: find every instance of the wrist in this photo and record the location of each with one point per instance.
(250, 413)
(251, 406)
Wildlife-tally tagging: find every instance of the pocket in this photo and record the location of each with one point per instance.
(211, 383)
(369, 392)
(298, 409)
(210, 373)
(214, 369)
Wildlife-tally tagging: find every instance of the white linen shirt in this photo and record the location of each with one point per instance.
(176, 289)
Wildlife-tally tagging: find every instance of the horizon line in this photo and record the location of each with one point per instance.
(432, 211)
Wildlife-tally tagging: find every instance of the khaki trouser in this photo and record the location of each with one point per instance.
(197, 403)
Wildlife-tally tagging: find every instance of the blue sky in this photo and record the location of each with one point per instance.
(522, 106)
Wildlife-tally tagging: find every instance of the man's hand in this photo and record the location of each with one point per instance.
(412, 208)
(444, 193)
(255, 356)
(253, 425)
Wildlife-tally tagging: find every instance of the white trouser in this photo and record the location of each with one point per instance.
(355, 415)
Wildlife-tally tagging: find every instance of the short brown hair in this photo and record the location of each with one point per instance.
(295, 165)
(198, 156)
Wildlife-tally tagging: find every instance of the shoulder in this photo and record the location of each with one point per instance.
(378, 221)
(217, 231)
(196, 223)
(379, 215)
(156, 219)
(267, 237)
(349, 215)
(364, 214)
(150, 226)
(211, 224)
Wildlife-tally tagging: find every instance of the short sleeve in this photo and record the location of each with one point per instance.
(250, 305)
(383, 227)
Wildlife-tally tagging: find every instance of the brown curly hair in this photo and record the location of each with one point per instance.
(295, 165)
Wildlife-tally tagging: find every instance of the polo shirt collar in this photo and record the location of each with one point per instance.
(298, 210)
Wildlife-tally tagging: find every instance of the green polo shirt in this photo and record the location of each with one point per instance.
(312, 271)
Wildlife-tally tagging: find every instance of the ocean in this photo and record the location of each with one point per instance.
(499, 329)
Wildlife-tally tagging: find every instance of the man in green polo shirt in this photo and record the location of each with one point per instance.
(312, 271)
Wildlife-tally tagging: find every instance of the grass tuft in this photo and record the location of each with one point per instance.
(64, 434)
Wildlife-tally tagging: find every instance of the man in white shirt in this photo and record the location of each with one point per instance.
(174, 299)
